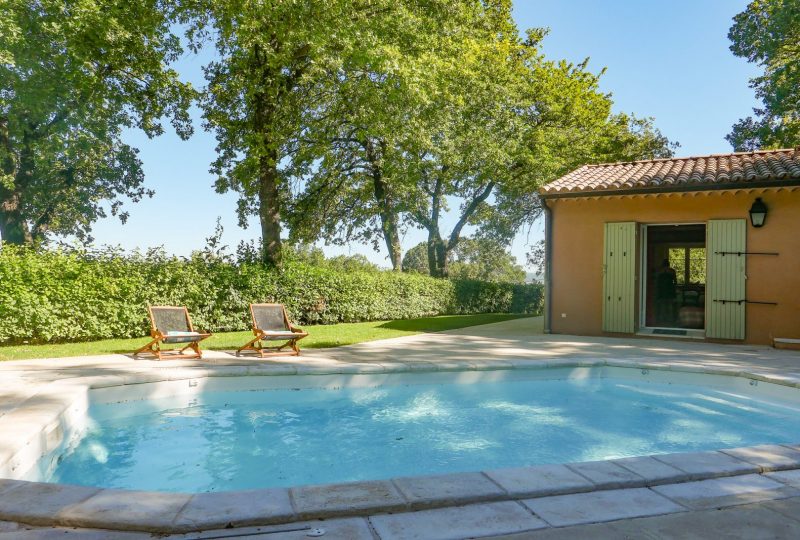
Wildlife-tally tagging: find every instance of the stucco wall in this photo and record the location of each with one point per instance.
(577, 254)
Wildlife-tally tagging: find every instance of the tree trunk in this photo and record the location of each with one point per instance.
(391, 236)
(437, 254)
(13, 228)
(387, 213)
(269, 211)
(437, 249)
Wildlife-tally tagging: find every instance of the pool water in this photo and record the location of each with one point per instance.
(223, 440)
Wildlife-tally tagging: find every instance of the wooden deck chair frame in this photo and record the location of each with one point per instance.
(256, 344)
(160, 336)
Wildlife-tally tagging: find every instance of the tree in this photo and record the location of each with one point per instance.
(483, 259)
(521, 122)
(473, 127)
(346, 194)
(73, 75)
(768, 33)
(473, 130)
(349, 163)
(279, 63)
(416, 259)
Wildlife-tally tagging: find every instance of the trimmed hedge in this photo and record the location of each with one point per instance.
(60, 296)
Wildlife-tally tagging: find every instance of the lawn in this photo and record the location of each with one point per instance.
(320, 337)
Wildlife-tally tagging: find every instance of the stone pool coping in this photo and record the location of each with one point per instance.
(36, 426)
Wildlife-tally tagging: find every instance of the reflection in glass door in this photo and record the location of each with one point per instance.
(675, 276)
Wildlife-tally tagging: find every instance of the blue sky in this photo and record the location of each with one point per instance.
(669, 60)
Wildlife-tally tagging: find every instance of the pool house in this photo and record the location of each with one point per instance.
(701, 247)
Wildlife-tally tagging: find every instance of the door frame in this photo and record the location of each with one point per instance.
(641, 320)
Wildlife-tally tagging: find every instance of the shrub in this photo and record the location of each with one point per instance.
(59, 296)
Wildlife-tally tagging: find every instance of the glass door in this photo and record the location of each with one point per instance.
(675, 277)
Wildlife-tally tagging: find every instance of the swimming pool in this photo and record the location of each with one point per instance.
(236, 433)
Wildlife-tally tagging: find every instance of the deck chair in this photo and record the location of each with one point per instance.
(271, 323)
(171, 324)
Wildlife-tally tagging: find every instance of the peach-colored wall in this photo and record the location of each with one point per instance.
(577, 254)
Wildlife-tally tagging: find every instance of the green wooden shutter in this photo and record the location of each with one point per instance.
(725, 278)
(619, 277)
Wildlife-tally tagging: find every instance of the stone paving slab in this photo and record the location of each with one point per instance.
(540, 481)
(607, 474)
(447, 489)
(77, 534)
(790, 478)
(700, 465)
(598, 506)
(789, 508)
(749, 522)
(330, 529)
(122, 509)
(653, 471)
(768, 457)
(237, 509)
(37, 503)
(731, 491)
(355, 498)
(456, 523)
(8, 526)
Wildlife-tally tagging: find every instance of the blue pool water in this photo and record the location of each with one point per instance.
(220, 441)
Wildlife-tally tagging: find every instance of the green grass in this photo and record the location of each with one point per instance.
(320, 337)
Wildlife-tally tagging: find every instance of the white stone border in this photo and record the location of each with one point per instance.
(37, 427)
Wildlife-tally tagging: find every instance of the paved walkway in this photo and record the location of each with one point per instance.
(754, 503)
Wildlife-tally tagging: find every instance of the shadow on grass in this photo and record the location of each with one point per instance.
(449, 322)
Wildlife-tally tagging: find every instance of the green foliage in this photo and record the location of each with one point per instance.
(486, 297)
(416, 259)
(535, 257)
(485, 259)
(60, 296)
(352, 164)
(768, 33)
(568, 122)
(482, 259)
(277, 63)
(688, 262)
(73, 75)
(471, 124)
(314, 256)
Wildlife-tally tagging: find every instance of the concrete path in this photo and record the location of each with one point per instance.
(755, 503)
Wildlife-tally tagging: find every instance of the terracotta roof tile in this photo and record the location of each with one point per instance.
(746, 168)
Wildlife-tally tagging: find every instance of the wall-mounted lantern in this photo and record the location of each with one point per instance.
(758, 213)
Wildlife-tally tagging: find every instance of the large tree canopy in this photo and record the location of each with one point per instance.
(472, 126)
(355, 163)
(281, 63)
(73, 75)
(768, 33)
(510, 131)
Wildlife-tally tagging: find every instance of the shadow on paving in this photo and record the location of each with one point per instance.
(514, 340)
(524, 339)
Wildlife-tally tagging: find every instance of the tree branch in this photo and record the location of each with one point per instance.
(467, 213)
